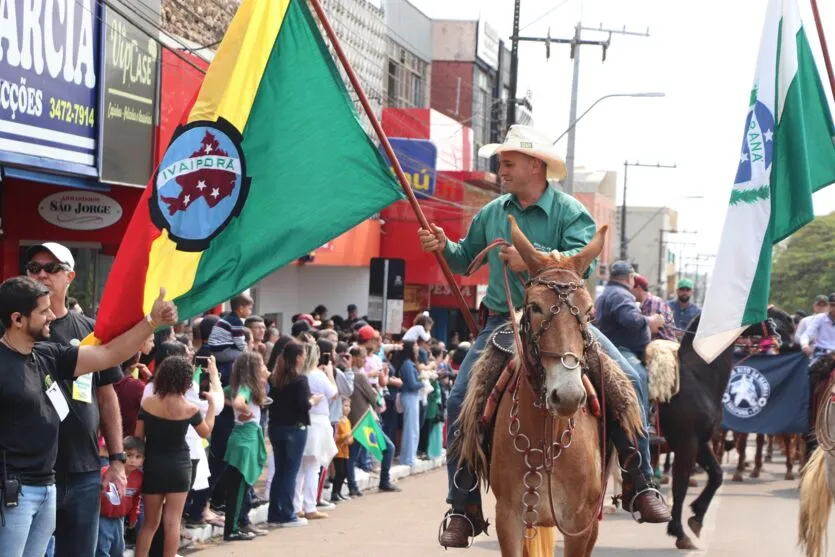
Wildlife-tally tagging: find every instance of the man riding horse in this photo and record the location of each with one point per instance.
(553, 222)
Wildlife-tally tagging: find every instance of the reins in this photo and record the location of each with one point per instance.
(551, 449)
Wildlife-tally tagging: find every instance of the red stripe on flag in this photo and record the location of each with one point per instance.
(123, 299)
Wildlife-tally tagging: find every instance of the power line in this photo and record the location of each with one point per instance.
(549, 12)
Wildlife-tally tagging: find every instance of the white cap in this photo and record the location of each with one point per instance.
(61, 253)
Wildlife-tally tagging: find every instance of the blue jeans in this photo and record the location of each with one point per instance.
(353, 455)
(456, 400)
(632, 367)
(288, 447)
(411, 427)
(77, 516)
(111, 537)
(385, 465)
(29, 526)
(459, 391)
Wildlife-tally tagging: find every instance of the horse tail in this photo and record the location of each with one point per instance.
(815, 505)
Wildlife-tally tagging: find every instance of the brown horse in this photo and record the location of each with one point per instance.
(547, 463)
(793, 447)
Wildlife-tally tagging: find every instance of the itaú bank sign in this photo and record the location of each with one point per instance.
(48, 76)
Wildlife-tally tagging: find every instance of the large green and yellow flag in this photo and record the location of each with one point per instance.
(367, 433)
(269, 164)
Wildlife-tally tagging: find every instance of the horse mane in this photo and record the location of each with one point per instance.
(686, 344)
(715, 374)
(778, 322)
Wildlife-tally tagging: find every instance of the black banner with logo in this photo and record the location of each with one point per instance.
(768, 394)
(129, 76)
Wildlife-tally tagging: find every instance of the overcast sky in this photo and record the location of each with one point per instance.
(701, 54)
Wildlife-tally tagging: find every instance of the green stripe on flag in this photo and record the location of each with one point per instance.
(315, 173)
(803, 163)
(804, 156)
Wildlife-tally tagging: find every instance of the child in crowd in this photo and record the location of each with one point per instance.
(227, 335)
(246, 452)
(115, 509)
(344, 439)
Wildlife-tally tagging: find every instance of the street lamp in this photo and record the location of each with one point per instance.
(569, 152)
(570, 156)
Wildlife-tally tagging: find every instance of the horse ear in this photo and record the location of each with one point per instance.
(583, 259)
(533, 259)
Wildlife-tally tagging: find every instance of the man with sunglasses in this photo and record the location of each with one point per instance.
(93, 405)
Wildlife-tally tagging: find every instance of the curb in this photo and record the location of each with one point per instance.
(365, 482)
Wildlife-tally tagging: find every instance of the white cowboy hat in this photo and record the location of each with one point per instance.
(532, 142)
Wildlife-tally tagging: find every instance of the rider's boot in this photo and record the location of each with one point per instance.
(463, 522)
(640, 496)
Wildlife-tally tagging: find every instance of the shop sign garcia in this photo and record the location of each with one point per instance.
(48, 78)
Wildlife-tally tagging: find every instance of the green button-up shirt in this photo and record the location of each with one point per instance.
(556, 221)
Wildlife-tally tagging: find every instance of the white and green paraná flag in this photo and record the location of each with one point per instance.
(787, 153)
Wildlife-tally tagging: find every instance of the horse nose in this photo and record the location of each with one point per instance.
(565, 402)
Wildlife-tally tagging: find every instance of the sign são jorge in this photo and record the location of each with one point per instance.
(48, 80)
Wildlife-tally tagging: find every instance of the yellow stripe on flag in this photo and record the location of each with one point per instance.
(169, 267)
(234, 75)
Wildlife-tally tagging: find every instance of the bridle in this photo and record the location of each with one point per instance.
(529, 342)
(541, 459)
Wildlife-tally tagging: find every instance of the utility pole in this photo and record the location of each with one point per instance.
(576, 42)
(575, 87)
(514, 66)
(572, 115)
(623, 240)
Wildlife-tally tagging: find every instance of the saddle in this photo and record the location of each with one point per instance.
(489, 379)
(502, 338)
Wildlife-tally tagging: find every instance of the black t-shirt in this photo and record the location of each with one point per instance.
(291, 405)
(28, 421)
(78, 444)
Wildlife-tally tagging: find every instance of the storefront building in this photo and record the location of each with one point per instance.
(450, 201)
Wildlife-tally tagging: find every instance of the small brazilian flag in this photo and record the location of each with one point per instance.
(367, 433)
(268, 164)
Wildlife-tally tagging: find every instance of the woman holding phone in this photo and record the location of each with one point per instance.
(289, 421)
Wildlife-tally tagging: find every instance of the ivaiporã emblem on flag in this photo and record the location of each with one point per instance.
(756, 156)
(201, 184)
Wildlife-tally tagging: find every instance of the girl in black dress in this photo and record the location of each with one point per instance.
(163, 420)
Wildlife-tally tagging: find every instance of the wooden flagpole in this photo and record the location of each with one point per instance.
(827, 62)
(398, 170)
(546, 539)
